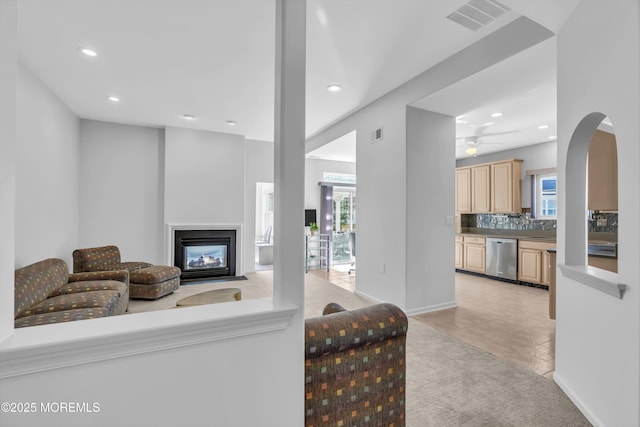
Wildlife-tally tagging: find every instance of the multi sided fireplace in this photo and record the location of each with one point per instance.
(205, 254)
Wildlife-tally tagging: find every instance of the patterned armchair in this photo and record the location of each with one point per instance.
(46, 293)
(355, 367)
(146, 281)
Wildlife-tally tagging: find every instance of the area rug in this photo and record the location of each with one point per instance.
(451, 383)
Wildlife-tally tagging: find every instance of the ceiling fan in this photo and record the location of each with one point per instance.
(472, 142)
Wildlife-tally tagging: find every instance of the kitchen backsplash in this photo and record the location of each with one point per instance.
(507, 222)
(611, 220)
(525, 222)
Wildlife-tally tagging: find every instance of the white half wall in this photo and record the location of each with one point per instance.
(597, 335)
(47, 174)
(430, 211)
(122, 189)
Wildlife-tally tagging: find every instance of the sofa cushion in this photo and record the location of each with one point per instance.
(61, 316)
(91, 285)
(154, 274)
(133, 265)
(96, 259)
(92, 299)
(35, 282)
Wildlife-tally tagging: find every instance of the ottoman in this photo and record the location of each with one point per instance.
(153, 282)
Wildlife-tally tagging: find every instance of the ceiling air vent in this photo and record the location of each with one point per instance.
(477, 13)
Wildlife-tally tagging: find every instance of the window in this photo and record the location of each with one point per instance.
(546, 196)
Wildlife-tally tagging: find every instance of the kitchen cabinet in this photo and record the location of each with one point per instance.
(459, 257)
(463, 190)
(489, 188)
(481, 189)
(474, 254)
(505, 187)
(603, 172)
(534, 261)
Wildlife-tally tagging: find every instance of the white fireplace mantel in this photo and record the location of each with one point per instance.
(170, 236)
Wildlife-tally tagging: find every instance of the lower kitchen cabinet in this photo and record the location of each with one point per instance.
(534, 262)
(474, 254)
(459, 252)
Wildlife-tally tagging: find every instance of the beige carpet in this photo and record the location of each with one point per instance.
(449, 383)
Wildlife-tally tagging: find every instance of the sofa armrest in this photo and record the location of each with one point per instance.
(119, 275)
(349, 329)
(332, 307)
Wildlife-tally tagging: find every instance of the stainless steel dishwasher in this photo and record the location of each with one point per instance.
(502, 258)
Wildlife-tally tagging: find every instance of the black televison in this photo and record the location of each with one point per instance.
(309, 217)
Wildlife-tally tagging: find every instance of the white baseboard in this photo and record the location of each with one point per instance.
(430, 308)
(369, 297)
(577, 401)
(413, 311)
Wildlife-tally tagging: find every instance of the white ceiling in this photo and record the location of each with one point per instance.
(215, 59)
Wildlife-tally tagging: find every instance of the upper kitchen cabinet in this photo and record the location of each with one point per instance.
(463, 190)
(481, 188)
(505, 187)
(603, 172)
(489, 188)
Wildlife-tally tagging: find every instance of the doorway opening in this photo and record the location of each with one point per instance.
(264, 226)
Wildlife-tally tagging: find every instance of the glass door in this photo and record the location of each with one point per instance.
(344, 222)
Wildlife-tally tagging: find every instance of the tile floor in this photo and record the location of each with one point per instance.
(507, 320)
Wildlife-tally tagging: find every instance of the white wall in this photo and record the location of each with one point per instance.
(204, 177)
(47, 174)
(381, 167)
(598, 336)
(538, 156)
(430, 204)
(121, 189)
(313, 174)
(258, 167)
(8, 130)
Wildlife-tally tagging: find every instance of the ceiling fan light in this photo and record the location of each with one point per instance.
(471, 151)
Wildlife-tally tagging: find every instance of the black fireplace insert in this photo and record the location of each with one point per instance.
(205, 254)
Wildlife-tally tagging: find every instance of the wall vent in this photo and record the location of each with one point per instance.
(376, 135)
(475, 14)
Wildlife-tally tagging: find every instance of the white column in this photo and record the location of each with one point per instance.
(8, 118)
(288, 263)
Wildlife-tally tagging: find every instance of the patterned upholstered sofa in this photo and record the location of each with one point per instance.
(355, 367)
(146, 281)
(46, 293)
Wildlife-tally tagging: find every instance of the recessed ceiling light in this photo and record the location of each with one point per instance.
(87, 51)
(496, 114)
(232, 122)
(543, 126)
(189, 116)
(334, 88)
(488, 124)
(552, 137)
(113, 98)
